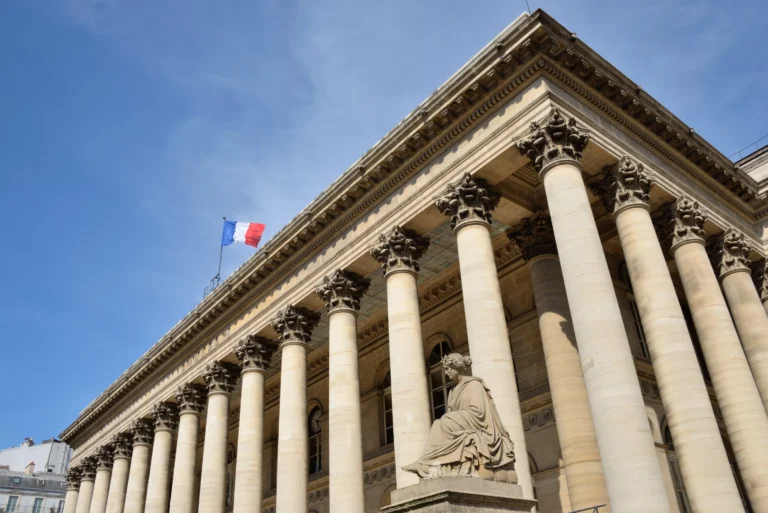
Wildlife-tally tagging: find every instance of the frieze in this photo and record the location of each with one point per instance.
(538, 418)
(376, 176)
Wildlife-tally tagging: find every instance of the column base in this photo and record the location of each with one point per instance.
(459, 495)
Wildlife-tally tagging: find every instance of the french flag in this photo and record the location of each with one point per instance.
(250, 233)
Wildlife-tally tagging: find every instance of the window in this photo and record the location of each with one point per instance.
(41, 482)
(389, 430)
(61, 507)
(315, 452)
(438, 382)
(16, 480)
(38, 505)
(624, 277)
(10, 506)
(677, 476)
(737, 476)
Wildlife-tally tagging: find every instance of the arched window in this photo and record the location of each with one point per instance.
(677, 475)
(315, 452)
(438, 382)
(389, 430)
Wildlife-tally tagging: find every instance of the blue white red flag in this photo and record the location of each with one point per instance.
(250, 233)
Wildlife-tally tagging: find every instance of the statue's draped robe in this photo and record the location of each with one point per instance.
(469, 435)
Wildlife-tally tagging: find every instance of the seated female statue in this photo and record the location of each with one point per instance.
(469, 440)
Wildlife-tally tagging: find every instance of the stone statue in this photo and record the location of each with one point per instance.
(469, 440)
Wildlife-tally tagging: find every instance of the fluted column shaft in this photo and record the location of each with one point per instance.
(575, 430)
(344, 422)
(183, 487)
(136, 490)
(117, 485)
(159, 472)
(100, 490)
(488, 338)
(85, 495)
(411, 419)
(70, 499)
(751, 324)
(293, 437)
(627, 450)
(737, 395)
(690, 417)
(250, 444)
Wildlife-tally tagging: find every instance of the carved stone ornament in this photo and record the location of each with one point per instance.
(190, 398)
(759, 275)
(166, 416)
(342, 290)
(255, 353)
(73, 478)
(220, 377)
(554, 140)
(468, 200)
(143, 432)
(123, 445)
(534, 236)
(729, 253)
(294, 324)
(626, 184)
(688, 222)
(88, 468)
(400, 250)
(105, 457)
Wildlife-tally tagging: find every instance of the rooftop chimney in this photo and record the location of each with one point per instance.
(30, 468)
(28, 442)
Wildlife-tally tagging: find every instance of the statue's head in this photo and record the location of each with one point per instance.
(456, 365)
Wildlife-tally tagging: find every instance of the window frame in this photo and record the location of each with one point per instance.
(314, 457)
(443, 385)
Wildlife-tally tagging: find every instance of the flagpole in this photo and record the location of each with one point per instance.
(221, 252)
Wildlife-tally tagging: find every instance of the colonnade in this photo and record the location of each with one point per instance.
(607, 446)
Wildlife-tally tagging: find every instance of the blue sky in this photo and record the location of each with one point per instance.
(128, 128)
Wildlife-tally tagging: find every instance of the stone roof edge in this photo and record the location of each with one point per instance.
(437, 110)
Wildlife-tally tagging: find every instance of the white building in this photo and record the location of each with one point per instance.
(51, 456)
(31, 492)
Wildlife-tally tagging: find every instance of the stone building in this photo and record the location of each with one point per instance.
(539, 212)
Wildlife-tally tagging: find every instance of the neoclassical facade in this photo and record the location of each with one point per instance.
(601, 263)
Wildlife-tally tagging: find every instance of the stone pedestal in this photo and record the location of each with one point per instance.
(459, 495)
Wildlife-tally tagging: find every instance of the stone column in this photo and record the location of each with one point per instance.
(627, 450)
(294, 325)
(737, 395)
(191, 401)
(729, 253)
(690, 417)
(220, 378)
(104, 461)
(73, 490)
(759, 274)
(575, 430)
(399, 252)
(136, 491)
(469, 204)
(123, 444)
(87, 476)
(254, 354)
(166, 417)
(342, 292)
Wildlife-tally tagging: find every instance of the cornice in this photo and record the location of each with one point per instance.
(530, 46)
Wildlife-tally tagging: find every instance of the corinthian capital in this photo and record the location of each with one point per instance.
(220, 377)
(142, 432)
(342, 290)
(759, 275)
(534, 236)
(88, 468)
(105, 457)
(190, 398)
(73, 478)
(554, 140)
(295, 325)
(687, 222)
(470, 200)
(729, 253)
(123, 445)
(626, 184)
(400, 250)
(166, 416)
(254, 353)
